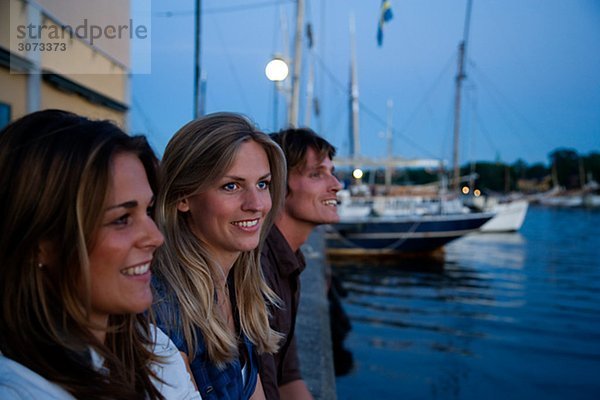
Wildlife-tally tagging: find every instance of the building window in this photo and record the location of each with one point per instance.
(4, 114)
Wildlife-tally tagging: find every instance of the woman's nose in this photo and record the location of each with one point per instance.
(256, 200)
(153, 237)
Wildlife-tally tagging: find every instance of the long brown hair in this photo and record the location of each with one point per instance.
(198, 154)
(53, 186)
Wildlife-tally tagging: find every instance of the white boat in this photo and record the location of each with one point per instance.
(572, 200)
(509, 212)
(398, 206)
(348, 208)
(509, 216)
(591, 200)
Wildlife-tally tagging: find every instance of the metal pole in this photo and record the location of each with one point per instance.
(460, 76)
(275, 106)
(293, 115)
(354, 104)
(197, 65)
(309, 93)
(389, 138)
(321, 80)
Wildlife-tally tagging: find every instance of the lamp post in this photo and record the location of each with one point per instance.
(276, 71)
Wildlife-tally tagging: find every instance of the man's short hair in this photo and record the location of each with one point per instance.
(295, 141)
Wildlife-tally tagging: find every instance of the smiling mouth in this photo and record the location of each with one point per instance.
(246, 224)
(331, 202)
(137, 270)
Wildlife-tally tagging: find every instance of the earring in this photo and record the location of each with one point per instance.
(40, 265)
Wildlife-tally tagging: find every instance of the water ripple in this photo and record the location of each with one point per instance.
(516, 315)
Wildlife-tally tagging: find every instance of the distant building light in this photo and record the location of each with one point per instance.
(357, 173)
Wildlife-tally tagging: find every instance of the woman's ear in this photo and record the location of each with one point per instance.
(183, 205)
(46, 253)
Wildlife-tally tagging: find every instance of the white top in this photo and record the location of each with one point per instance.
(18, 382)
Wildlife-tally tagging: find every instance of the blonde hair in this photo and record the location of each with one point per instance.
(199, 154)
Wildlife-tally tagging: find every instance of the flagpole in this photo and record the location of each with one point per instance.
(197, 64)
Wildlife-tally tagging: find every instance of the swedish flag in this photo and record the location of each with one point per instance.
(385, 16)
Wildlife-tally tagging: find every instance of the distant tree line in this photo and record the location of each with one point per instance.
(566, 168)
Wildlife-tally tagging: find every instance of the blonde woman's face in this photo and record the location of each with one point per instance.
(228, 216)
(120, 259)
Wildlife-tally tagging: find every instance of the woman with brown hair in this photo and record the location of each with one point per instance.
(76, 243)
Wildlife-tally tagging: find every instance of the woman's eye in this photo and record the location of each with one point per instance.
(122, 220)
(150, 211)
(230, 186)
(264, 184)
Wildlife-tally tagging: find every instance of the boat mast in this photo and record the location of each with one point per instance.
(460, 76)
(198, 99)
(390, 147)
(354, 106)
(294, 104)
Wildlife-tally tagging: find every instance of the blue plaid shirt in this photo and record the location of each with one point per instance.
(213, 383)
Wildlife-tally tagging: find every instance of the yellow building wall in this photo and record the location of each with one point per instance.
(100, 69)
(14, 92)
(88, 67)
(54, 98)
(101, 13)
(12, 12)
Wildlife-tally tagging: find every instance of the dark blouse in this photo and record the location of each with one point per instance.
(213, 383)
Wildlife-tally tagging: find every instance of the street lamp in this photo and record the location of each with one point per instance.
(276, 71)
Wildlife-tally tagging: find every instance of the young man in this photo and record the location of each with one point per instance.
(310, 201)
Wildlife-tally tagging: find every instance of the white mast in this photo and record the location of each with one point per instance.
(460, 76)
(354, 106)
(390, 146)
(294, 105)
(309, 93)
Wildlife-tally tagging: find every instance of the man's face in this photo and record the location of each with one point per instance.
(311, 198)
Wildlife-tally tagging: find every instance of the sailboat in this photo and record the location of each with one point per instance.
(367, 227)
(509, 213)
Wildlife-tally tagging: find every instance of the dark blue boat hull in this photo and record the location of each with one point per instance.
(414, 234)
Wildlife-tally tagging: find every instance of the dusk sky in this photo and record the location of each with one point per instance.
(533, 73)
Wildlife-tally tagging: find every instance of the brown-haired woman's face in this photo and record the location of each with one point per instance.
(120, 260)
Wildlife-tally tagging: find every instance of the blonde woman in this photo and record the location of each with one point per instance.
(76, 243)
(221, 183)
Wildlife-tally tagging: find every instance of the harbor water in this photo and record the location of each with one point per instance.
(504, 316)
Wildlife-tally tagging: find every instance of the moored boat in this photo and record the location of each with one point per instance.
(510, 212)
(401, 234)
(509, 216)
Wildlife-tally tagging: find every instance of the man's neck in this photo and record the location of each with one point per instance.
(295, 232)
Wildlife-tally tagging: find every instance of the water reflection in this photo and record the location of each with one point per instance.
(505, 250)
(515, 315)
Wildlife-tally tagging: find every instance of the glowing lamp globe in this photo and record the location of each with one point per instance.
(276, 70)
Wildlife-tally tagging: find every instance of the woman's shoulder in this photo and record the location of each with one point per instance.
(171, 368)
(19, 382)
